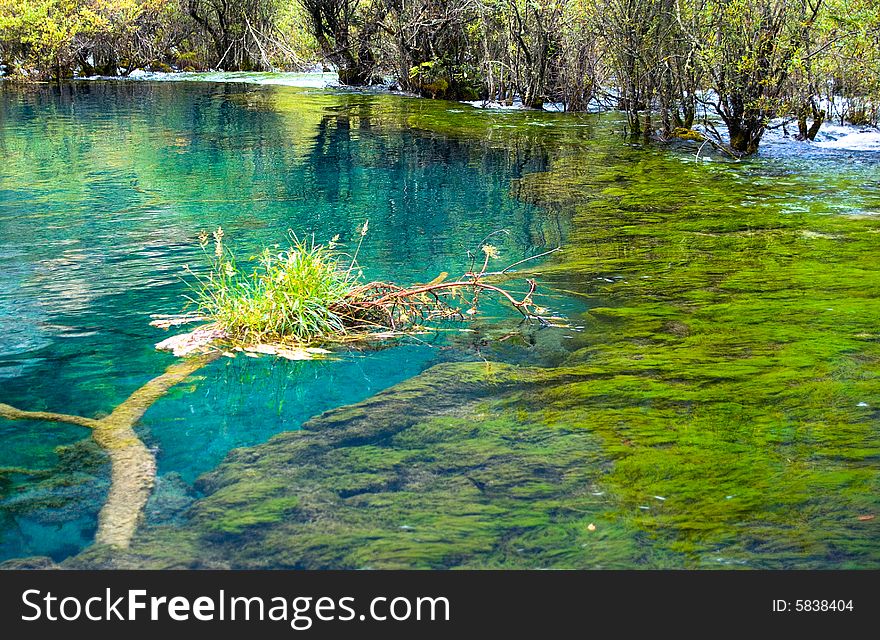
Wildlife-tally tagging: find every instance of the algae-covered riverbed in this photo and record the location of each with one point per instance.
(715, 402)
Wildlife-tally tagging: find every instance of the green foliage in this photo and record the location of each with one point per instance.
(346, 33)
(763, 59)
(432, 50)
(289, 296)
(756, 46)
(42, 39)
(38, 36)
(299, 42)
(430, 78)
(850, 62)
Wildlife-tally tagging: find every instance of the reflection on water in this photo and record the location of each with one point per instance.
(103, 192)
(720, 402)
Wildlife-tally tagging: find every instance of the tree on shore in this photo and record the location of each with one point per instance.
(346, 32)
(240, 31)
(668, 65)
(747, 49)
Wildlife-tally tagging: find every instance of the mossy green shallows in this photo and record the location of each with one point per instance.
(735, 361)
(718, 409)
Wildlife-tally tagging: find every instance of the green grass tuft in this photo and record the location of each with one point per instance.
(289, 295)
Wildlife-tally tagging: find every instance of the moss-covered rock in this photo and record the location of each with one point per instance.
(438, 472)
(34, 562)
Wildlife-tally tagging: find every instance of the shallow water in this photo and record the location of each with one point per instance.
(732, 322)
(104, 190)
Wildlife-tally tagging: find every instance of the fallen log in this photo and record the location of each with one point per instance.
(132, 464)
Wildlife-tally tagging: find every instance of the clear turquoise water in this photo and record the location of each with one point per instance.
(730, 362)
(103, 192)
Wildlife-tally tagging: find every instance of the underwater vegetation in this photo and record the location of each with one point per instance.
(436, 472)
(715, 402)
(735, 360)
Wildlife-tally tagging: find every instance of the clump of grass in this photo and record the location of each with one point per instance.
(313, 293)
(294, 294)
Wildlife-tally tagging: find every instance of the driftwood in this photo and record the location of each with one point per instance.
(374, 311)
(133, 465)
(393, 302)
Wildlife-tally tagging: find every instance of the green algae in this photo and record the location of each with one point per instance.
(718, 409)
(234, 511)
(434, 473)
(736, 365)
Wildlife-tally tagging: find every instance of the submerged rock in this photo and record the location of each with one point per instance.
(62, 494)
(34, 562)
(170, 499)
(432, 473)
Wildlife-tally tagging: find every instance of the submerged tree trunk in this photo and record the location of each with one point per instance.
(133, 465)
